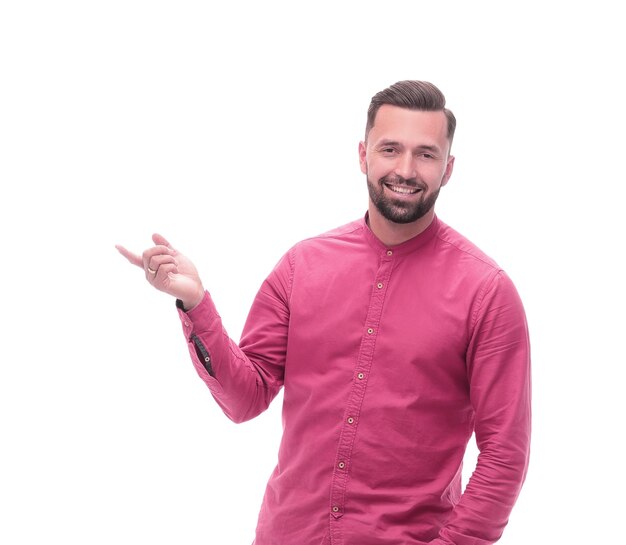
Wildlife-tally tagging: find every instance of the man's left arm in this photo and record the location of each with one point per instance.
(498, 365)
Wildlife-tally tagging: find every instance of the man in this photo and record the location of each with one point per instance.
(395, 338)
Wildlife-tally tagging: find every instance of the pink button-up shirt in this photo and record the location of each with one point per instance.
(390, 358)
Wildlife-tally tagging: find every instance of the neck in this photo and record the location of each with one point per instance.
(392, 234)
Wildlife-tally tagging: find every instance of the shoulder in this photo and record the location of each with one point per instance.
(334, 240)
(462, 249)
(467, 261)
(338, 233)
(330, 245)
(463, 263)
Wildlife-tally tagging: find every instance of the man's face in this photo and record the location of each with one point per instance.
(406, 160)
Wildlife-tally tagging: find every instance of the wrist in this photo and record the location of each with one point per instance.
(192, 302)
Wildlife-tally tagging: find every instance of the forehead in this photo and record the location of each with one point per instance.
(411, 127)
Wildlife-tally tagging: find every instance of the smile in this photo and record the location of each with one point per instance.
(403, 189)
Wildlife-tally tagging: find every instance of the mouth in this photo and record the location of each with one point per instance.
(402, 189)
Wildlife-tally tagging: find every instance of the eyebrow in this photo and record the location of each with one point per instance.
(422, 147)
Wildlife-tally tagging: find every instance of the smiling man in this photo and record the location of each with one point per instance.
(394, 338)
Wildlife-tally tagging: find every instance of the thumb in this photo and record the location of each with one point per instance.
(161, 240)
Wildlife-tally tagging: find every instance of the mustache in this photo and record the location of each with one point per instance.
(395, 179)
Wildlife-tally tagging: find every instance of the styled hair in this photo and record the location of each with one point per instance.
(414, 95)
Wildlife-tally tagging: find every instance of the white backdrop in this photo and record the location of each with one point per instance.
(232, 129)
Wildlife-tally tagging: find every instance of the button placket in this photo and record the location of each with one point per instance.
(357, 393)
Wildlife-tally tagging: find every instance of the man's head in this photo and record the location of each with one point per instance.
(406, 153)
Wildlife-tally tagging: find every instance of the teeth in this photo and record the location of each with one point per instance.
(403, 189)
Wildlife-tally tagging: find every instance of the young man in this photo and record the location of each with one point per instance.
(395, 338)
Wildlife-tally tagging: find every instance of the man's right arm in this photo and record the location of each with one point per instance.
(243, 378)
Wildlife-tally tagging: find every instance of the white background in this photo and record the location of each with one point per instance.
(232, 129)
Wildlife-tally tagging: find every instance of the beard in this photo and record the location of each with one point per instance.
(399, 210)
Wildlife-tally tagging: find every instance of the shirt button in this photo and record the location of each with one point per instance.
(350, 420)
(335, 509)
(361, 376)
(379, 285)
(341, 465)
(389, 252)
(370, 330)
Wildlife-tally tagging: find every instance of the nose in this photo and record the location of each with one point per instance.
(406, 166)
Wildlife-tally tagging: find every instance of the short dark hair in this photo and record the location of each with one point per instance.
(414, 95)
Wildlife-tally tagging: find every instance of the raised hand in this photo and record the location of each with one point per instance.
(169, 271)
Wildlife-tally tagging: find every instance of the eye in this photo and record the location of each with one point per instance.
(388, 151)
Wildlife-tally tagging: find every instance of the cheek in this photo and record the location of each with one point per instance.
(434, 174)
(376, 170)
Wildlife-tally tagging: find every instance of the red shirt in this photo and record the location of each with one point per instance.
(390, 358)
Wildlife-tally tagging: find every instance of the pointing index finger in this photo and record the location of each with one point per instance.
(133, 258)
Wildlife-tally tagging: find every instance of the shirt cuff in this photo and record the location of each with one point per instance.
(200, 318)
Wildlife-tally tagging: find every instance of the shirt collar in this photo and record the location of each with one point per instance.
(407, 246)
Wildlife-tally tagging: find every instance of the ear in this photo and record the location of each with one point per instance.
(448, 171)
(363, 157)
